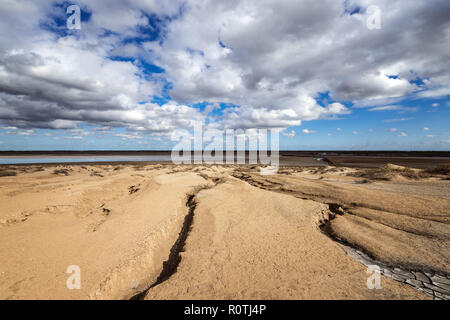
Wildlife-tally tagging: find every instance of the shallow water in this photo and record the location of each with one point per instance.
(66, 159)
(41, 159)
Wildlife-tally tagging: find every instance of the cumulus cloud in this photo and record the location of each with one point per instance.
(403, 134)
(268, 60)
(277, 54)
(55, 82)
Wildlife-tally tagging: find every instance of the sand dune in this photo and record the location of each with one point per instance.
(184, 232)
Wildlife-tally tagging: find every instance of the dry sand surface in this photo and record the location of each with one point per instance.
(212, 232)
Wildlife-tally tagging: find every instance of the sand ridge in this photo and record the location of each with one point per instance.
(118, 239)
(273, 252)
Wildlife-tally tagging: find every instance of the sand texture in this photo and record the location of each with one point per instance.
(212, 232)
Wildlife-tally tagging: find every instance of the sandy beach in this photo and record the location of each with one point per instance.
(160, 231)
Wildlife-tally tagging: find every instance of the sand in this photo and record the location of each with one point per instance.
(250, 237)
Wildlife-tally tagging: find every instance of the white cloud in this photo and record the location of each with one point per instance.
(435, 93)
(127, 136)
(355, 132)
(269, 58)
(397, 120)
(307, 131)
(394, 108)
(435, 105)
(63, 124)
(332, 57)
(28, 132)
(403, 134)
(393, 130)
(426, 129)
(56, 83)
(289, 134)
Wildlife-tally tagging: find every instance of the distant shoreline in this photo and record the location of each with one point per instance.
(350, 159)
(282, 153)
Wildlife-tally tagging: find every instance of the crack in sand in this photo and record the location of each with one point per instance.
(278, 187)
(170, 266)
(434, 284)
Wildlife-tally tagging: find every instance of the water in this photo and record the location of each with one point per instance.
(40, 159)
(68, 159)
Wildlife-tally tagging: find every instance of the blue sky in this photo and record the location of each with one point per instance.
(133, 76)
(426, 128)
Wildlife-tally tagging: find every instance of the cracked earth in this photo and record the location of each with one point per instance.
(213, 232)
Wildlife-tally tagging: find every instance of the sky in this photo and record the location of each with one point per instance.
(328, 74)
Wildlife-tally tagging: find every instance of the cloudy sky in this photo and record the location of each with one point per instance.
(328, 73)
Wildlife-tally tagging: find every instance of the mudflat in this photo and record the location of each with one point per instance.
(160, 231)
